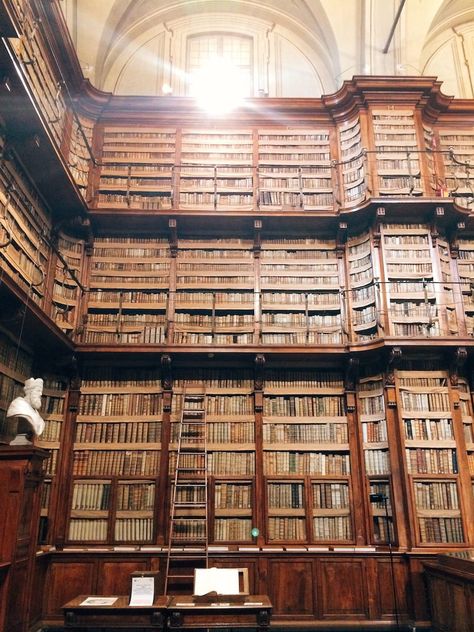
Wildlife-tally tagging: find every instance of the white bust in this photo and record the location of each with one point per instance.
(26, 407)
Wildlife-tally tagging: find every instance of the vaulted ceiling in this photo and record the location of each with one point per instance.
(299, 47)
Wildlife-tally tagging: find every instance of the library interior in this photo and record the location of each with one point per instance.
(237, 315)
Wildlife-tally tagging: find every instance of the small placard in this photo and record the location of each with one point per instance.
(99, 601)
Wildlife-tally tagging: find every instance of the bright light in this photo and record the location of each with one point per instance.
(219, 86)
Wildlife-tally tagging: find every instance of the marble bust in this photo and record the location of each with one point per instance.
(25, 411)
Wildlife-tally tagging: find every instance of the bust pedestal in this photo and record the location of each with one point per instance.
(21, 475)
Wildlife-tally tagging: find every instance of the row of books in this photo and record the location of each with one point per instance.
(232, 495)
(89, 496)
(115, 463)
(285, 495)
(224, 432)
(232, 529)
(374, 431)
(436, 495)
(429, 429)
(332, 528)
(431, 401)
(147, 335)
(120, 404)
(305, 433)
(83, 530)
(122, 432)
(431, 461)
(304, 405)
(372, 405)
(301, 338)
(323, 463)
(330, 495)
(377, 462)
(218, 463)
(286, 528)
(52, 430)
(441, 529)
(133, 529)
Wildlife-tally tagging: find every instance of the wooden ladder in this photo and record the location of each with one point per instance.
(188, 526)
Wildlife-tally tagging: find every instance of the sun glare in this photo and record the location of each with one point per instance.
(219, 86)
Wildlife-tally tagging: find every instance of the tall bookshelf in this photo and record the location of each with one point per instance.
(128, 297)
(31, 50)
(412, 292)
(136, 168)
(80, 146)
(216, 169)
(66, 292)
(214, 302)
(294, 169)
(465, 266)
(306, 457)
(24, 227)
(363, 289)
(353, 164)
(396, 152)
(375, 445)
(465, 400)
(231, 448)
(301, 299)
(457, 145)
(431, 456)
(116, 456)
(53, 412)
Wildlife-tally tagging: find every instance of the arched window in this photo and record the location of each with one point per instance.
(234, 49)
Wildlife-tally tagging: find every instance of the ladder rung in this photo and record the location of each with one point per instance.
(190, 484)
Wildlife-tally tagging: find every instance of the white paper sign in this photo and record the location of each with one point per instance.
(143, 591)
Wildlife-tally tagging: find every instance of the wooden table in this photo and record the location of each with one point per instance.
(117, 616)
(252, 612)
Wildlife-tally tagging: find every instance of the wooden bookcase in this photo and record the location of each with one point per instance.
(136, 168)
(363, 291)
(396, 152)
(214, 301)
(24, 224)
(294, 169)
(116, 456)
(306, 457)
(411, 286)
(375, 444)
(300, 284)
(353, 164)
(458, 147)
(231, 448)
(431, 456)
(216, 169)
(66, 293)
(128, 297)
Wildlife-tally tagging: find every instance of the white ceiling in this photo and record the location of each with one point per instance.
(301, 47)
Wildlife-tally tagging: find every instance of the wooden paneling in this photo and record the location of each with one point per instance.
(290, 586)
(385, 596)
(343, 589)
(114, 576)
(66, 581)
(451, 596)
